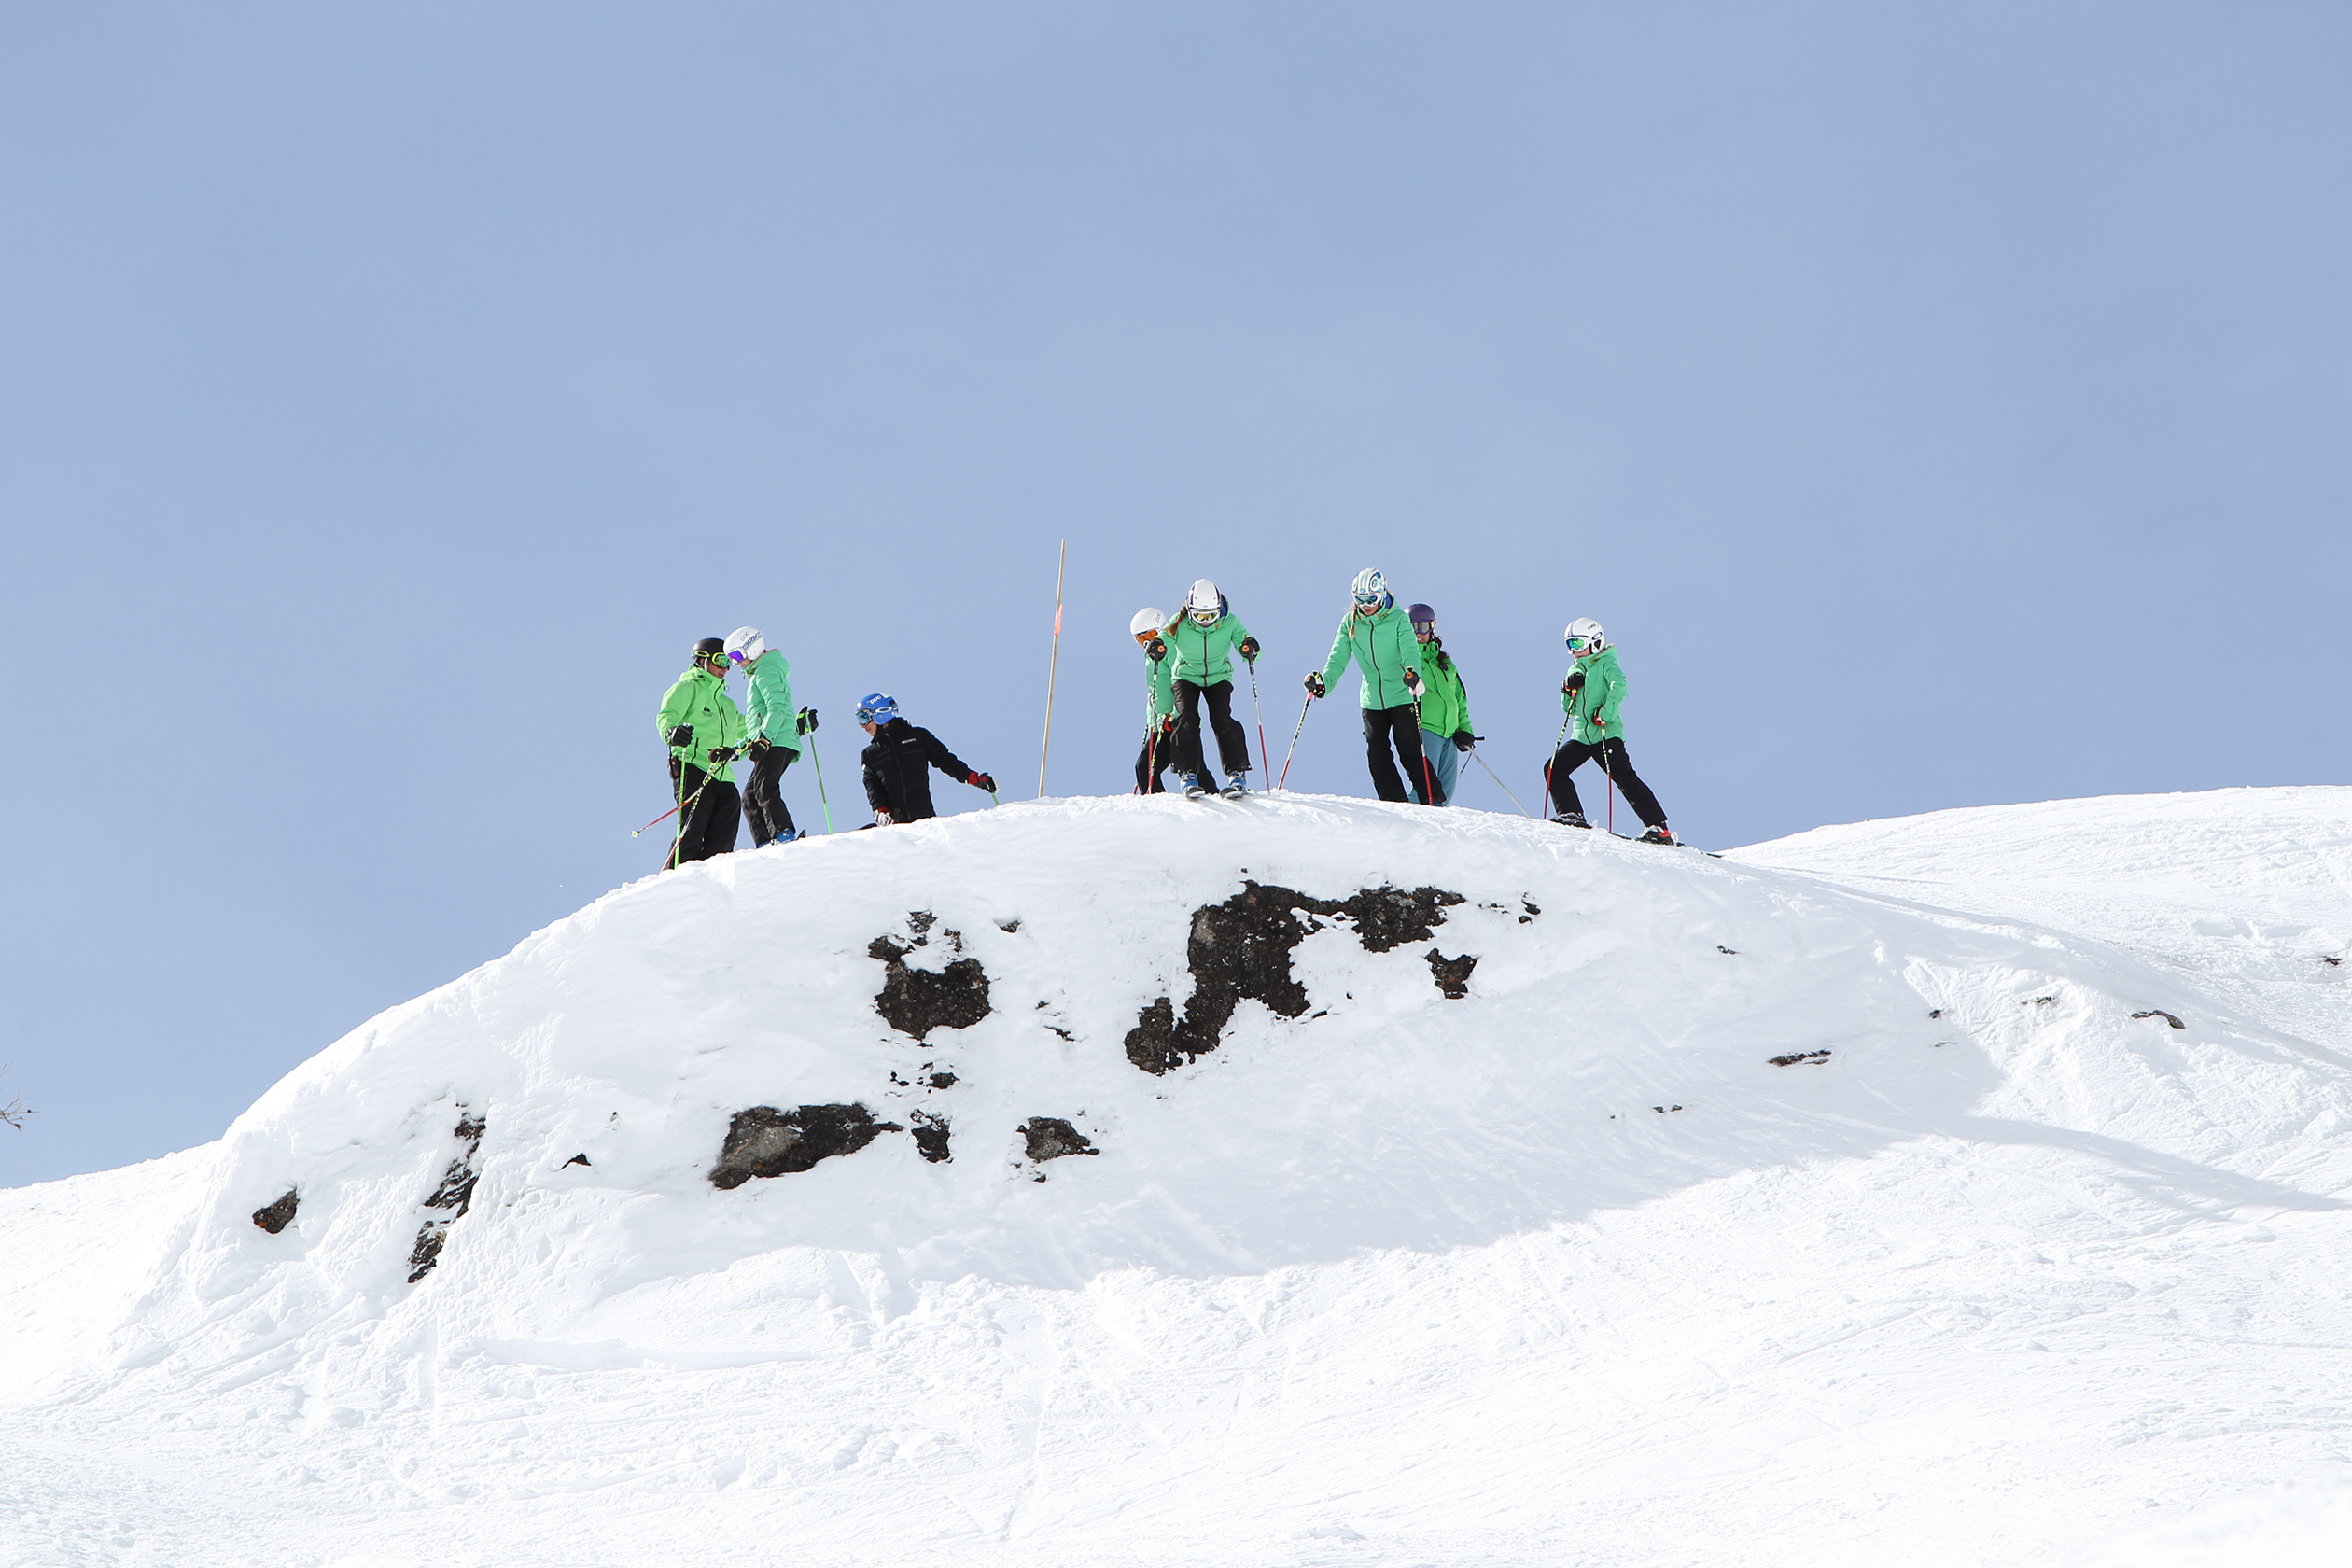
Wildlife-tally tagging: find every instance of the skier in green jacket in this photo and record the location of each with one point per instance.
(1444, 708)
(1379, 638)
(1201, 635)
(772, 730)
(1159, 703)
(703, 731)
(1591, 697)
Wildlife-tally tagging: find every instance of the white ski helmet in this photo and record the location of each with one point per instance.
(1146, 620)
(1204, 603)
(1585, 635)
(1371, 586)
(745, 645)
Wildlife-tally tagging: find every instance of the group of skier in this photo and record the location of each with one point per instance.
(1416, 712)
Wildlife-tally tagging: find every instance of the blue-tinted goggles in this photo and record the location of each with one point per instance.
(876, 715)
(1369, 601)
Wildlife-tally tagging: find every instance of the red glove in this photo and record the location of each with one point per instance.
(982, 781)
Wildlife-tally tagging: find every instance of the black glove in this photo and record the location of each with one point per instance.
(1314, 684)
(761, 746)
(1250, 648)
(721, 754)
(1462, 739)
(982, 781)
(683, 736)
(1158, 651)
(1575, 682)
(805, 723)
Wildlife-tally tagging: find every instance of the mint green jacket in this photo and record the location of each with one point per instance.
(1384, 647)
(1445, 706)
(700, 699)
(1160, 675)
(1602, 695)
(768, 701)
(1199, 652)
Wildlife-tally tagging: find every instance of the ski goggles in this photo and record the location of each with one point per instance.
(1369, 601)
(877, 715)
(1205, 617)
(734, 656)
(1581, 645)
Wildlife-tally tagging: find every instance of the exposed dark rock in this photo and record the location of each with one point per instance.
(1934, 1013)
(2160, 1012)
(278, 1215)
(2331, 960)
(576, 1159)
(1452, 974)
(1241, 949)
(1721, 948)
(1051, 1137)
(456, 1191)
(1795, 1056)
(931, 1136)
(940, 1079)
(765, 1141)
(1008, 927)
(918, 1000)
(2043, 1001)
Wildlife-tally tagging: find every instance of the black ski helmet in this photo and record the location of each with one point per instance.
(710, 648)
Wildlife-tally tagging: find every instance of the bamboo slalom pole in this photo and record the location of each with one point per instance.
(1052, 670)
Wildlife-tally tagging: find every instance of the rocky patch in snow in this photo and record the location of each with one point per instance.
(765, 1141)
(1047, 1138)
(1241, 949)
(918, 1000)
(455, 1193)
(275, 1217)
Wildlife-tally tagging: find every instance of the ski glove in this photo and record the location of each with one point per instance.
(1575, 682)
(1412, 682)
(761, 746)
(982, 781)
(1314, 684)
(721, 754)
(882, 818)
(1248, 649)
(683, 736)
(1158, 651)
(805, 723)
(1462, 739)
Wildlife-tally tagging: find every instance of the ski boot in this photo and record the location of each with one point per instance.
(1572, 819)
(1238, 786)
(1658, 835)
(1193, 788)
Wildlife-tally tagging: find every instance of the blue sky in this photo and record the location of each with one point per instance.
(1939, 405)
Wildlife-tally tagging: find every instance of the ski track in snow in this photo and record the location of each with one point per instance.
(1403, 1280)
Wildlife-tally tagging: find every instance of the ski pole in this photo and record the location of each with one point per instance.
(1498, 779)
(1265, 758)
(1293, 744)
(818, 764)
(1558, 741)
(1608, 779)
(1052, 669)
(1429, 778)
(655, 823)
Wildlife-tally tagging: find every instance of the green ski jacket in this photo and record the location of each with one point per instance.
(1199, 652)
(1602, 694)
(1383, 648)
(700, 698)
(1445, 706)
(768, 701)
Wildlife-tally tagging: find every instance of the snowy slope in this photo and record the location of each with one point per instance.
(1564, 1269)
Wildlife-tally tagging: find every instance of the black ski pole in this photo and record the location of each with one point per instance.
(1284, 780)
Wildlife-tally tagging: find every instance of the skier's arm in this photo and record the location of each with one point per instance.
(1341, 646)
(1610, 699)
(876, 797)
(676, 703)
(944, 759)
(1240, 637)
(1163, 689)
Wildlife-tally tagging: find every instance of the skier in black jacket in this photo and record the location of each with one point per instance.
(897, 764)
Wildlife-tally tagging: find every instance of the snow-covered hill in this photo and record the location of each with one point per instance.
(1296, 1180)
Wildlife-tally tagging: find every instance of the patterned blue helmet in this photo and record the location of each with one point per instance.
(876, 707)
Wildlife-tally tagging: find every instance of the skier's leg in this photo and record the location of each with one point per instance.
(1443, 763)
(780, 815)
(724, 803)
(1378, 723)
(756, 795)
(693, 819)
(1233, 741)
(1146, 777)
(1564, 761)
(680, 792)
(1407, 728)
(1187, 728)
(1637, 794)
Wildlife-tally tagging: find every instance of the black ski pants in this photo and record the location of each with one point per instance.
(1233, 741)
(1397, 725)
(763, 809)
(1157, 756)
(708, 827)
(1620, 768)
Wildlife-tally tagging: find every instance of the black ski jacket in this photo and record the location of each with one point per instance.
(896, 780)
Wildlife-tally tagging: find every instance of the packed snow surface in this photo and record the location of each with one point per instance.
(1162, 1183)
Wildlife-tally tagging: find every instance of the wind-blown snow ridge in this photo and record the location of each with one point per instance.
(1472, 1238)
